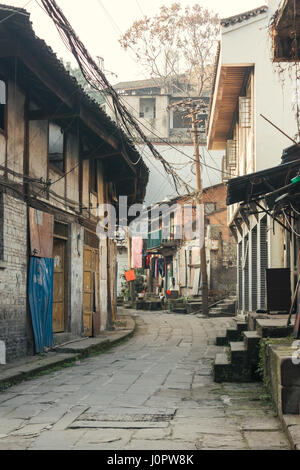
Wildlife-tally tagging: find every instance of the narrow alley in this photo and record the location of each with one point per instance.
(153, 392)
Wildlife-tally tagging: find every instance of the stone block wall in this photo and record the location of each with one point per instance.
(13, 276)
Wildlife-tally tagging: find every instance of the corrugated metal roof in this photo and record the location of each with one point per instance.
(248, 187)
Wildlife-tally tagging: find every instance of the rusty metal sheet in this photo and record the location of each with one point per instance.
(41, 233)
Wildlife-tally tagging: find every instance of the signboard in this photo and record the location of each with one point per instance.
(130, 275)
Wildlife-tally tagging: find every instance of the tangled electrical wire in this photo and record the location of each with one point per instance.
(98, 81)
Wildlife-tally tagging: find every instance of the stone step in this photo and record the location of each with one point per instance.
(222, 368)
(252, 344)
(195, 301)
(221, 314)
(237, 350)
(251, 337)
(180, 311)
(63, 338)
(221, 340)
(241, 326)
(241, 369)
(232, 334)
(273, 328)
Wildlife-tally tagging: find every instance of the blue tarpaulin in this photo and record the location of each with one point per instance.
(40, 292)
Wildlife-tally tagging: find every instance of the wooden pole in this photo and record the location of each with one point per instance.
(203, 263)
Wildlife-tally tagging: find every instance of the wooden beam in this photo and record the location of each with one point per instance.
(95, 126)
(48, 79)
(120, 178)
(253, 207)
(97, 155)
(41, 115)
(245, 218)
(238, 226)
(233, 231)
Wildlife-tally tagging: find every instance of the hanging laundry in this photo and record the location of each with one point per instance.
(161, 268)
(137, 252)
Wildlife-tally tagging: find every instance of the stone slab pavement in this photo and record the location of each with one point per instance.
(153, 392)
(64, 354)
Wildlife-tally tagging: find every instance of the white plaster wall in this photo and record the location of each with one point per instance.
(159, 126)
(250, 43)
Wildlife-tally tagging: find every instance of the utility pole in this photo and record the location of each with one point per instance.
(203, 263)
(193, 109)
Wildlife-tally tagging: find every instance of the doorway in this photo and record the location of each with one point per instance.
(59, 286)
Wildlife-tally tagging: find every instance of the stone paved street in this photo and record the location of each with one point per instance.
(153, 392)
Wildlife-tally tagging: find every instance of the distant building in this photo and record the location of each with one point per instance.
(151, 102)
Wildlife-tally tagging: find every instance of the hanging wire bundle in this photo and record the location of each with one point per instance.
(98, 81)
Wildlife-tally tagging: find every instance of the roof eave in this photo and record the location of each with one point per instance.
(229, 83)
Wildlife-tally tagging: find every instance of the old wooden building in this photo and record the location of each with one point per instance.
(60, 157)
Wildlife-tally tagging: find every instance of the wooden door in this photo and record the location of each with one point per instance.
(59, 247)
(90, 290)
(88, 279)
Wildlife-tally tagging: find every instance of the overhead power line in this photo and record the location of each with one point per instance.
(98, 81)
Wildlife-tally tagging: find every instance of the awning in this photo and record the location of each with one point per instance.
(250, 187)
(229, 83)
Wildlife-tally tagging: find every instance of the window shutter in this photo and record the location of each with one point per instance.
(231, 153)
(225, 170)
(245, 112)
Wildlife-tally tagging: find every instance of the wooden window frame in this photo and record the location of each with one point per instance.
(93, 169)
(51, 165)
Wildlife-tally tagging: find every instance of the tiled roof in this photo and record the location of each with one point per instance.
(18, 21)
(135, 84)
(232, 20)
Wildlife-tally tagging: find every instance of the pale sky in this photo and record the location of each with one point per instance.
(99, 24)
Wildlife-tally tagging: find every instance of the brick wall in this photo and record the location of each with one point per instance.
(13, 277)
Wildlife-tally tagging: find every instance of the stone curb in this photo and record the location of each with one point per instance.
(65, 355)
(291, 427)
